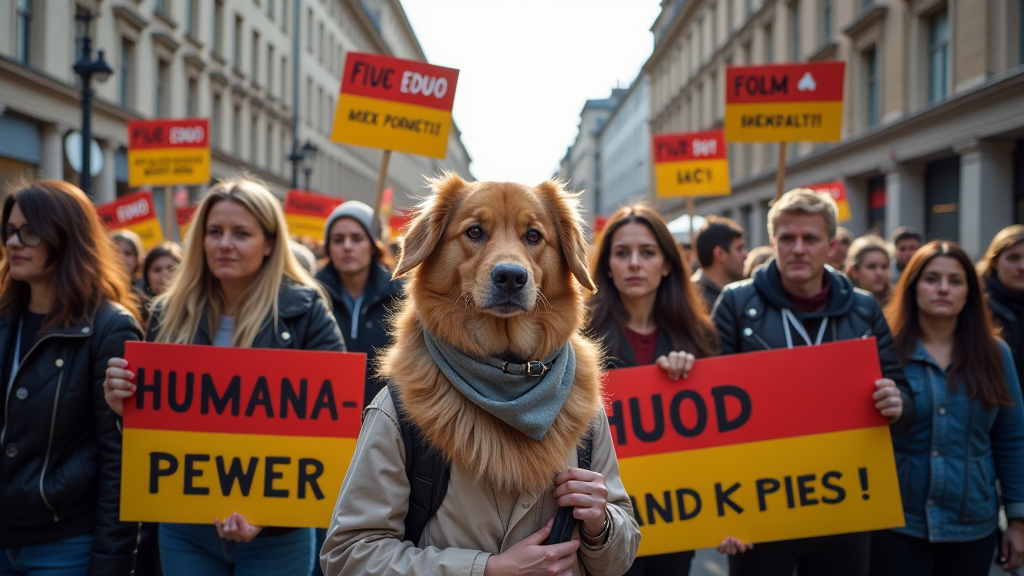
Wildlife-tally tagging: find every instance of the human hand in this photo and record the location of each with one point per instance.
(1011, 551)
(733, 546)
(120, 384)
(888, 400)
(585, 491)
(676, 364)
(530, 557)
(236, 528)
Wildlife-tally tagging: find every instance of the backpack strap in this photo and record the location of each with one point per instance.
(427, 470)
(565, 522)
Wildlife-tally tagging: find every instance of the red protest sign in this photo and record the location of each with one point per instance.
(693, 164)
(185, 215)
(307, 213)
(837, 190)
(397, 80)
(689, 147)
(135, 212)
(797, 82)
(213, 430)
(762, 446)
(181, 133)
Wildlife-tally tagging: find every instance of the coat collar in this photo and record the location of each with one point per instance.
(379, 285)
(661, 348)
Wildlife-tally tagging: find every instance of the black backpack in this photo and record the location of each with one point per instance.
(429, 472)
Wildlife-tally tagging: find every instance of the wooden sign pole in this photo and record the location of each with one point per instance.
(692, 209)
(382, 180)
(780, 172)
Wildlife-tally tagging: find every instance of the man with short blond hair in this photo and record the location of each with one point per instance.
(796, 300)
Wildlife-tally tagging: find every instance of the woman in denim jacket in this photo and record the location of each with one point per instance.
(969, 430)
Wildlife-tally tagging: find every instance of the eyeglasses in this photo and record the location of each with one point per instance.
(27, 236)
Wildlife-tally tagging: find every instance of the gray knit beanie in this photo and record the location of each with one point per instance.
(355, 210)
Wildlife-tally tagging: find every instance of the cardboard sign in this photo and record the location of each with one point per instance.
(307, 213)
(692, 164)
(762, 446)
(211, 431)
(837, 190)
(168, 152)
(134, 212)
(397, 224)
(395, 104)
(800, 102)
(185, 215)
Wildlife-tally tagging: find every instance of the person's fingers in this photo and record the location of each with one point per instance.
(220, 528)
(688, 365)
(121, 394)
(540, 536)
(663, 363)
(580, 487)
(566, 562)
(565, 549)
(117, 363)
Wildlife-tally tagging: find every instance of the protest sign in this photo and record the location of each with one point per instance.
(265, 433)
(307, 213)
(395, 104)
(801, 102)
(134, 212)
(185, 214)
(837, 190)
(168, 152)
(762, 446)
(397, 224)
(693, 164)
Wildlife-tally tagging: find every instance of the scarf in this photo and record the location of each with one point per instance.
(527, 403)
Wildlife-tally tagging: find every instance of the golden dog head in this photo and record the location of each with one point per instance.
(497, 268)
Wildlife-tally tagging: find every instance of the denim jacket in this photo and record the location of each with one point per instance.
(949, 462)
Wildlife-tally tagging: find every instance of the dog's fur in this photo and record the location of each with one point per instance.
(450, 279)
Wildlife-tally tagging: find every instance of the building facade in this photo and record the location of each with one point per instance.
(581, 165)
(933, 126)
(231, 61)
(624, 150)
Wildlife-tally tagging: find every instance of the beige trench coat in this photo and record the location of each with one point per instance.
(473, 522)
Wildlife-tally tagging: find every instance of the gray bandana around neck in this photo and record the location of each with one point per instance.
(527, 403)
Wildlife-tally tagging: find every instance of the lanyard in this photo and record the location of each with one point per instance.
(17, 356)
(788, 318)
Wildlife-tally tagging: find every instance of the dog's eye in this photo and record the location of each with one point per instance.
(475, 232)
(533, 236)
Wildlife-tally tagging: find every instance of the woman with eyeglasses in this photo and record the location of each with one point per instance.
(65, 310)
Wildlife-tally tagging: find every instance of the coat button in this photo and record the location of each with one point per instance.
(942, 410)
(752, 312)
(22, 393)
(935, 454)
(748, 332)
(369, 324)
(526, 504)
(286, 335)
(931, 502)
(85, 330)
(59, 363)
(11, 451)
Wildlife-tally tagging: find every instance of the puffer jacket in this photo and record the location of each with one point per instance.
(474, 520)
(303, 323)
(749, 317)
(380, 300)
(950, 461)
(60, 467)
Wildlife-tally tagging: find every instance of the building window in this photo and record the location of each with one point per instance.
(255, 56)
(238, 44)
(284, 15)
(309, 101)
(270, 9)
(218, 27)
(268, 145)
(284, 79)
(254, 130)
(160, 105)
(319, 109)
(827, 18)
(236, 130)
(938, 57)
(191, 10)
(161, 6)
(126, 73)
(769, 44)
(320, 43)
(215, 121)
(24, 49)
(190, 100)
(874, 92)
(794, 23)
(271, 62)
(309, 30)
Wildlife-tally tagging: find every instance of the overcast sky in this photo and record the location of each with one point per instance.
(527, 67)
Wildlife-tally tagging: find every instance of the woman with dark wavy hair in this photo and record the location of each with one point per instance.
(646, 311)
(969, 431)
(65, 310)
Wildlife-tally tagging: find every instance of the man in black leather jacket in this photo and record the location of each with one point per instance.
(796, 300)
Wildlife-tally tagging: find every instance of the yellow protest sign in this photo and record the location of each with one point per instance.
(691, 164)
(168, 152)
(135, 212)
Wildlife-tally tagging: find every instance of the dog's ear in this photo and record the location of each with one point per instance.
(563, 208)
(432, 218)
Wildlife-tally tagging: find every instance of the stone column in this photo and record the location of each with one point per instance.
(986, 192)
(758, 233)
(106, 183)
(52, 161)
(904, 196)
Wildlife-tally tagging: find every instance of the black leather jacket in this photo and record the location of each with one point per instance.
(60, 474)
(749, 318)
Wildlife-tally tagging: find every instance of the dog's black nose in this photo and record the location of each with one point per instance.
(509, 278)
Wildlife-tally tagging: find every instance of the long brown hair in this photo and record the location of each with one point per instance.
(1006, 238)
(678, 310)
(977, 360)
(88, 270)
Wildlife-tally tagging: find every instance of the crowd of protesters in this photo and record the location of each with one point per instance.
(949, 334)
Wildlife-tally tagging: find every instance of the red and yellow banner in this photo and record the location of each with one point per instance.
(837, 190)
(168, 152)
(762, 446)
(212, 431)
(801, 102)
(693, 164)
(397, 224)
(135, 212)
(185, 215)
(395, 104)
(307, 213)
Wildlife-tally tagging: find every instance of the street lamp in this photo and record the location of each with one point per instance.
(309, 151)
(86, 68)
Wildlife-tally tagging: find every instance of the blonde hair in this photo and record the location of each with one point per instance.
(806, 201)
(195, 291)
(1007, 238)
(863, 245)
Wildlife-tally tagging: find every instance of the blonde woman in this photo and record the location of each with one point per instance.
(238, 285)
(1002, 275)
(867, 266)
